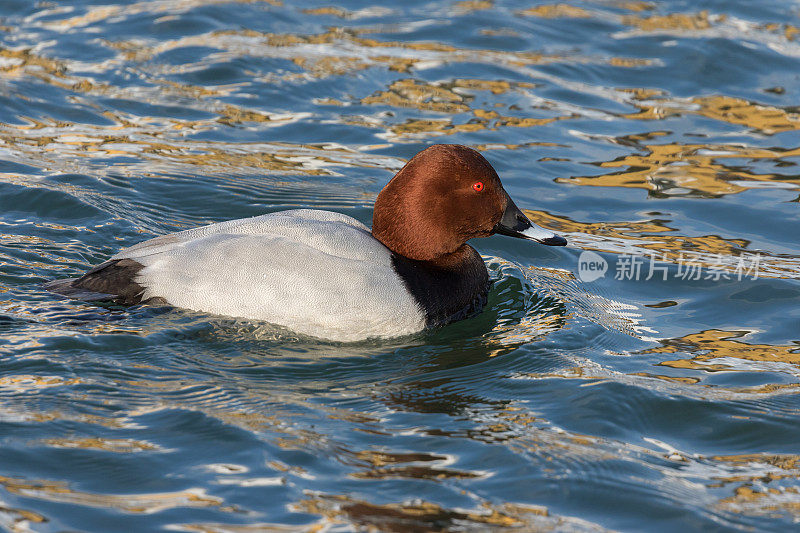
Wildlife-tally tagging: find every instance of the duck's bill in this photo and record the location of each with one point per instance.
(514, 223)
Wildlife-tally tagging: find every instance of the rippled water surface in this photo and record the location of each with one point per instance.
(661, 134)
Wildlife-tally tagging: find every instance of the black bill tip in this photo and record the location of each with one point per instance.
(555, 240)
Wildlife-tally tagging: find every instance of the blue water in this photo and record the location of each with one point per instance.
(660, 134)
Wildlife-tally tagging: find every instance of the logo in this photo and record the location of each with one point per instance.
(591, 266)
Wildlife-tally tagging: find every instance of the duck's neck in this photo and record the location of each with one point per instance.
(448, 288)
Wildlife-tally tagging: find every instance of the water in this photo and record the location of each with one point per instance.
(663, 134)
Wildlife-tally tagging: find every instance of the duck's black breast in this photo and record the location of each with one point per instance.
(449, 289)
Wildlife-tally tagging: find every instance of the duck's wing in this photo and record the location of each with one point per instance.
(298, 223)
(316, 272)
(115, 279)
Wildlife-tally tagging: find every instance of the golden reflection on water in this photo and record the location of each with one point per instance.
(106, 445)
(470, 6)
(19, 520)
(55, 72)
(503, 424)
(672, 21)
(674, 379)
(635, 6)
(447, 97)
(426, 516)
(692, 170)
(556, 11)
(404, 93)
(387, 465)
(329, 10)
(104, 12)
(765, 501)
(409, 93)
(148, 143)
(763, 118)
(56, 491)
(713, 345)
(787, 465)
(34, 383)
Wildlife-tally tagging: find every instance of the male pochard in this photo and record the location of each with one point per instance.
(325, 274)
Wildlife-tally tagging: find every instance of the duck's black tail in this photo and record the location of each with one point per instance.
(66, 287)
(110, 281)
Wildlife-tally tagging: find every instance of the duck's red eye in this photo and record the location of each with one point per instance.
(478, 186)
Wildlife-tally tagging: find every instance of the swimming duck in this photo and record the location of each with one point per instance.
(325, 274)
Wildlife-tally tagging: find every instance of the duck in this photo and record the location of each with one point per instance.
(326, 275)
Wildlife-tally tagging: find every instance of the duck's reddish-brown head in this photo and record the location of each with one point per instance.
(444, 196)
